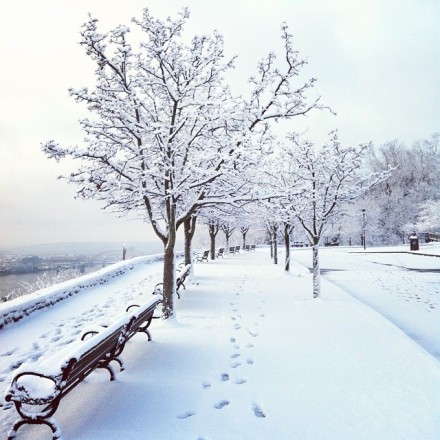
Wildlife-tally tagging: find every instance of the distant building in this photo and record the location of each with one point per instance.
(31, 262)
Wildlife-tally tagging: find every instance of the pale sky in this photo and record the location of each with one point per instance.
(377, 63)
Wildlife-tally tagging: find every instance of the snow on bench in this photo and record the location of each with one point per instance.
(181, 275)
(201, 257)
(37, 389)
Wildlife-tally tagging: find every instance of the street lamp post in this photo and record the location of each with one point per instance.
(363, 227)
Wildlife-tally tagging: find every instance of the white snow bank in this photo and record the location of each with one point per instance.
(17, 309)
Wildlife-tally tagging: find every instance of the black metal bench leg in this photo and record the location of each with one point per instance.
(120, 362)
(56, 433)
(110, 369)
(148, 334)
(146, 331)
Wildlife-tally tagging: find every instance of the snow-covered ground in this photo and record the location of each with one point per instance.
(253, 356)
(403, 287)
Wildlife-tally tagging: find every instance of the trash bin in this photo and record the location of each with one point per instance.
(413, 242)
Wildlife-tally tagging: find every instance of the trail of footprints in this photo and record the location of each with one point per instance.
(237, 358)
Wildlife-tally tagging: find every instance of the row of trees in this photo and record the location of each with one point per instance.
(167, 140)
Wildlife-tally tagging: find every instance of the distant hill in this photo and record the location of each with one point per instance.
(134, 249)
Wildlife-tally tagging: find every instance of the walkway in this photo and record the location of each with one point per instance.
(253, 356)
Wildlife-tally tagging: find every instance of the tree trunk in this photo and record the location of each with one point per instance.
(169, 273)
(316, 270)
(244, 240)
(287, 246)
(244, 230)
(275, 246)
(189, 227)
(270, 243)
(212, 234)
(227, 240)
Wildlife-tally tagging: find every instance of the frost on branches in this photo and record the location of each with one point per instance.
(314, 182)
(165, 136)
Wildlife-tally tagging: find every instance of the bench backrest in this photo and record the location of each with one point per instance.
(69, 366)
(142, 315)
(109, 343)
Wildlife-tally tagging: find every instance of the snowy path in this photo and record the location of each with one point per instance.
(252, 356)
(392, 285)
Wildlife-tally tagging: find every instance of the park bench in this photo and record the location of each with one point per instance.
(252, 247)
(142, 317)
(37, 389)
(232, 250)
(221, 252)
(247, 247)
(237, 249)
(181, 276)
(201, 257)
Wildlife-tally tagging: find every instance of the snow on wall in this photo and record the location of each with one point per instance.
(18, 308)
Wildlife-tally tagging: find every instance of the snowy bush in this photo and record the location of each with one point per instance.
(43, 281)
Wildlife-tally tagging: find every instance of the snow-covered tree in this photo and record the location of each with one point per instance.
(164, 129)
(159, 113)
(428, 218)
(211, 216)
(320, 180)
(227, 229)
(414, 182)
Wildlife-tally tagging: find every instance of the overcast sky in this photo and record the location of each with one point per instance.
(377, 63)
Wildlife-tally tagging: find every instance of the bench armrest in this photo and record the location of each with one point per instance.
(33, 388)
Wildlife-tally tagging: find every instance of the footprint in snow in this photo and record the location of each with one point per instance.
(225, 377)
(232, 340)
(18, 363)
(221, 404)
(66, 341)
(186, 414)
(235, 355)
(235, 364)
(258, 411)
(35, 356)
(240, 381)
(9, 353)
(206, 385)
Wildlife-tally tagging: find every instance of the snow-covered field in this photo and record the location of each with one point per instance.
(253, 356)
